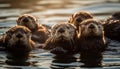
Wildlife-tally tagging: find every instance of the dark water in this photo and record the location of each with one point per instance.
(51, 12)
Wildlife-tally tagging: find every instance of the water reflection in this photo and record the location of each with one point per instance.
(91, 60)
(18, 63)
(63, 61)
(66, 61)
(55, 11)
(20, 60)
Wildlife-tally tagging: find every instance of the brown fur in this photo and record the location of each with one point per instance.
(62, 40)
(112, 26)
(91, 42)
(78, 17)
(39, 32)
(2, 48)
(18, 43)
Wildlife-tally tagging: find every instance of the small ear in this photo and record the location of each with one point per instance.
(17, 22)
(71, 19)
(8, 33)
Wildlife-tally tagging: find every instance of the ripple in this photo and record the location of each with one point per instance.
(50, 13)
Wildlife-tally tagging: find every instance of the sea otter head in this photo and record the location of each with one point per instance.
(91, 27)
(28, 20)
(62, 39)
(78, 17)
(63, 31)
(18, 35)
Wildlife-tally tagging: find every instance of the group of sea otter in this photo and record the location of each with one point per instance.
(81, 34)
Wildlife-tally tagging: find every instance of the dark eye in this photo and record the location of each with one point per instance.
(68, 27)
(99, 26)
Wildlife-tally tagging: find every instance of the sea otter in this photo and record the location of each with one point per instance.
(62, 40)
(39, 32)
(112, 26)
(91, 42)
(18, 44)
(80, 16)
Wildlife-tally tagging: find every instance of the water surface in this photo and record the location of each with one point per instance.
(50, 12)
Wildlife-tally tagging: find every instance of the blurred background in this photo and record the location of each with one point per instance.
(50, 12)
(54, 11)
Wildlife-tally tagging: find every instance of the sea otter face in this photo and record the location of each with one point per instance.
(91, 27)
(18, 34)
(78, 17)
(62, 40)
(28, 21)
(63, 31)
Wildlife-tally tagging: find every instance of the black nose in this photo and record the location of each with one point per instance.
(19, 35)
(25, 20)
(92, 26)
(61, 30)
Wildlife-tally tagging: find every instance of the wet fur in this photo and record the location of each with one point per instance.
(91, 45)
(112, 26)
(78, 17)
(16, 49)
(57, 45)
(39, 32)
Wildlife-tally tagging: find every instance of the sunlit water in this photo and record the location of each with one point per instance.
(50, 12)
